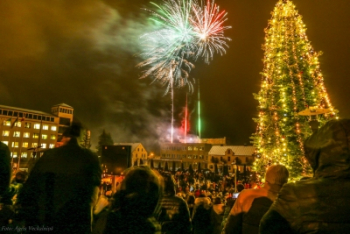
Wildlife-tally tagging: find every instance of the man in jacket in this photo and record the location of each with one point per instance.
(252, 204)
(320, 204)
(174, 215)
(61, 189)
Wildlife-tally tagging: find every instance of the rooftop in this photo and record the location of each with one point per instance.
(237, 149)
(24, 110)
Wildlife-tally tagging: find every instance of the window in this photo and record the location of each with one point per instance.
(5, 133)
(25, 144)
(36, 126)
(35, 117)
(35, 135)
(52, 146)
(26, 134)
(64, 121)
(16, 134)
(189, 156)
(5, 142)
(53, 128)
(15, 113)
(44, 136)
(14, 154)
(190, 148)
(15, 144)
(195, 148)
(195, 156)
(184, 156)
(27, 125)
(211, 166)
(62, 129)
(45, 127)
(228, 158)
(10, 113)
(43, 145)
(201, 157)
(24, 155)
(7, 123)
(18, 124)
(53, 137)
(34, 144)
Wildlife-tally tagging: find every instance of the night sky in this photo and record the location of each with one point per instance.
(84, 53)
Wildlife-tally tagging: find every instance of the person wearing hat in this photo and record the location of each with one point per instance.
(252, 204)
(320, 204)
(61, 189)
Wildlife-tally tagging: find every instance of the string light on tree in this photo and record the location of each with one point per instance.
(291, 81)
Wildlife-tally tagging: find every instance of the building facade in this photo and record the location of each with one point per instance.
(183, 154)
(29, 132)
(138, 153)
(233, 156)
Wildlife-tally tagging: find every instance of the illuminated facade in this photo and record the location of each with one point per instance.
(194, 154)
(27, 132)
(232, 156)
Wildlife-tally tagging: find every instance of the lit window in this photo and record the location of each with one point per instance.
(25, 144)
(35, 135)
(14, 154)
(44, 136)
(18, 124)
(195, 148)
(190, 148)
(6, 123)
(24, 155)
(26, 134)
(53, 128)
(5, 133)
(52, 146)
(45, 127)
(16, 134)
(43, 145)
(15, 144)
(36, 126)
(5, 142)
(34, 144)
(27, 125)
(53, 137)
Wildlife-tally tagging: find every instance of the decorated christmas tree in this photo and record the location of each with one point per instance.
(292, 82)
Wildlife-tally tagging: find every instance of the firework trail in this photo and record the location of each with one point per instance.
(186, 31)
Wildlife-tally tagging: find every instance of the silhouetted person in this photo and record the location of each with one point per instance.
(252, 204)
(62, 187)
(201, 215)
(135, 203)
(6, 212)
(174, 215)
(320, 204)
(217, 215)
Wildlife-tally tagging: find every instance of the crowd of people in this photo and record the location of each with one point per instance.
(63, 194)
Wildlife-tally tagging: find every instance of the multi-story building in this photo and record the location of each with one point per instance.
(195, 154)
(240, 157)
(138, 153)
(28, 132)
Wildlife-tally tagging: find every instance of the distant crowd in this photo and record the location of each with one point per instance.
(63, 193)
